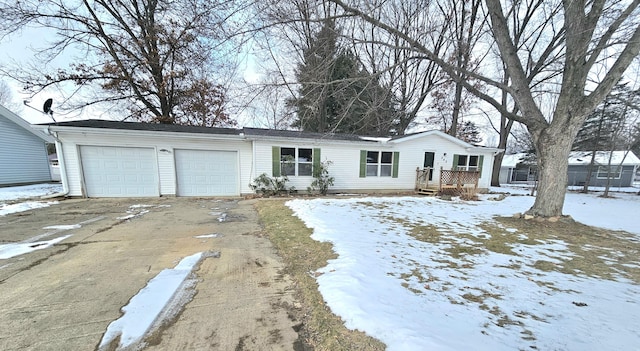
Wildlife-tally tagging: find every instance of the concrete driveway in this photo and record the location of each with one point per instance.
(64, 297)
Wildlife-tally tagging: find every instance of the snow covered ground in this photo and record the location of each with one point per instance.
(20, 198)
(414, 295)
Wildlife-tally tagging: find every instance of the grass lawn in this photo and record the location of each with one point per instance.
(321, 330)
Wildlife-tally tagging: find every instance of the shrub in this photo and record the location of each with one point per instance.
(469, 194)
(322, 181)
(268, 186)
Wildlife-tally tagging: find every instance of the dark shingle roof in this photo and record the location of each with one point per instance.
(249, 132)
(96, 123)
(299, 134)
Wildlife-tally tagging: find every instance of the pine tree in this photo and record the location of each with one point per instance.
(336, 93)
(601, 130)
(468, 131)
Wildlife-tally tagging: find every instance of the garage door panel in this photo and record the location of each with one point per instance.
(207, 173)
(119, 171)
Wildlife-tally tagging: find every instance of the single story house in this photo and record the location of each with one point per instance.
(101, 158)
(520, 168)
(23, 155)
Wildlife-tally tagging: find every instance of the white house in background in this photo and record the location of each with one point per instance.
(519, 168)
(23, 155)
(127, 159)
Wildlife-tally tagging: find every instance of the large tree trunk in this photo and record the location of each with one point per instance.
(552, 149)
(497, 164)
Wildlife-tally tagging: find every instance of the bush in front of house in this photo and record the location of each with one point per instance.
(322, 180)
(271, 186)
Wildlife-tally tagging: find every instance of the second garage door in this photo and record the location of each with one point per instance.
(207, 173)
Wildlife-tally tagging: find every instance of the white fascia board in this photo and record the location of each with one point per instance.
(314, 141)
(483, 149)
(130, 132)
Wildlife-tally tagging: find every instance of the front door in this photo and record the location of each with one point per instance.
(428, 162)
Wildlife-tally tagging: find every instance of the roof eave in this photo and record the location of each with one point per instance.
(111, 131)
(31, 128)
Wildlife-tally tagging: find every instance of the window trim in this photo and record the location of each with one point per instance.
(277, 162)
(364, 164)
(606, 172)
(478, 167)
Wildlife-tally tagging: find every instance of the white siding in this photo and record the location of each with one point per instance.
(345, 158)
(413, 153)
(23, 156)
(164, 145)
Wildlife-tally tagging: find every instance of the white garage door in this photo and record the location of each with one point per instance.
(207, 173)
(119, 171)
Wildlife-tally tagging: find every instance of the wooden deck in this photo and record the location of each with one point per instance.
(450, 181)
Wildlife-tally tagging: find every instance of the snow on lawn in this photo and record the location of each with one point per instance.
(10, 197)
(6, 209)
(27, 191)
(415, 295)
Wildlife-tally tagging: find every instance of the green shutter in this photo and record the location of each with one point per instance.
(363, 163)
(275, 161)
(480, 159)
(396, 157)
(455, 162)
(316, 163)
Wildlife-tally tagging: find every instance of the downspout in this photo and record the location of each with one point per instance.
(63, 170)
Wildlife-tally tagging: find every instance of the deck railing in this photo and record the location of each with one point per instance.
(450, 179)
(422, 178)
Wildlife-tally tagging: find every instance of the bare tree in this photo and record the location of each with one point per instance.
(595, 43)
(160, 58)
(465, 29)
(393, 70)
(5, 93)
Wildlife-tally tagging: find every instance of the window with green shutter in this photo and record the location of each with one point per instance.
(378, 163)
(293, 161)
(467, 163)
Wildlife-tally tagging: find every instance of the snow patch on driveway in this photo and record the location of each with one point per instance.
(17, 249)
(157, 301)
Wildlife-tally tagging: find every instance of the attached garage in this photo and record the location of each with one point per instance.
(206, 173)
(119, 171)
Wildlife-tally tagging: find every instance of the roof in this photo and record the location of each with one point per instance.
(4, 112)
(155, 127)
(577, 158)
(300, 135)
(258, 133)
(462, 143)
(602, 158)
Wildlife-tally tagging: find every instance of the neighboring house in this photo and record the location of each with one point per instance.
(125, 159)
(23, 155)
(519, 168)
(55, 167)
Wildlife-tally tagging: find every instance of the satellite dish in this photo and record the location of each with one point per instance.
(47, 106)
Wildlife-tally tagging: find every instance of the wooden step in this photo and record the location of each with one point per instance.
(427, 191)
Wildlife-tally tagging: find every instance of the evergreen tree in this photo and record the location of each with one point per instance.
(602, 130)
(599, 131)
(337, 94)
(468, 131)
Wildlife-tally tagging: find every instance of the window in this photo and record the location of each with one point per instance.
(467, 162)
(378, 164)
(291, 161)
(604, 172)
